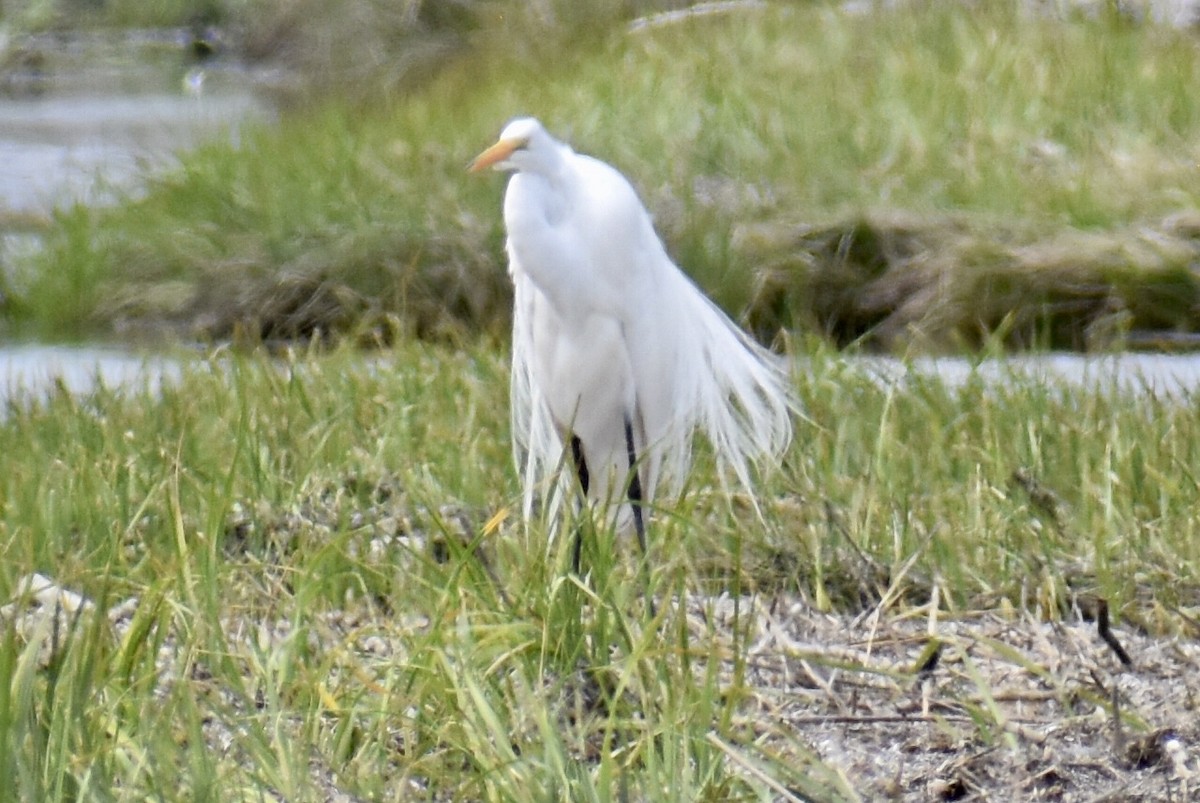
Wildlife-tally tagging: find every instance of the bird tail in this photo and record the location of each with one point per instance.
(739, 394)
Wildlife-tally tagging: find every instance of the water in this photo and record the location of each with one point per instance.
(32, 371)
(82, 117)
(1163, 375)
(56, 150)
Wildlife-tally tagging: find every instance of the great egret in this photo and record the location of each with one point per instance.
(616, 353)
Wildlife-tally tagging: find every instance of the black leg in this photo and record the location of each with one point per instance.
(635, 503)
(581, 471)
(635, 487)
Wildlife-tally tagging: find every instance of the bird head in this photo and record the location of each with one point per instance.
(522, 144)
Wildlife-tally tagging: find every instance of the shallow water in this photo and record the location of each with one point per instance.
(82, 115)
(34, 370)
(1163, 375)
(62, 149)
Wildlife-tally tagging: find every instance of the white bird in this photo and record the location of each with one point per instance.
(617, 355)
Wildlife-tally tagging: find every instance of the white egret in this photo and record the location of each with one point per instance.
(617, 355)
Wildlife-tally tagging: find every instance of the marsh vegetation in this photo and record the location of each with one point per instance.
(307, 578)
(934, 175)
(302, 576)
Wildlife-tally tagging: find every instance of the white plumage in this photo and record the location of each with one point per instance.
(613, 344)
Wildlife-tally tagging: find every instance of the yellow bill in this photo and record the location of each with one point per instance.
(495, 154)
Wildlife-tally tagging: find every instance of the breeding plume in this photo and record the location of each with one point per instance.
(618, 358)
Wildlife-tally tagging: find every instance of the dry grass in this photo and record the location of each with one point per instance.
(903, 282)
(1006, 707)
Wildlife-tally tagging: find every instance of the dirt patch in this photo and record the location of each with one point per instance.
(982, 707)
(902, 701)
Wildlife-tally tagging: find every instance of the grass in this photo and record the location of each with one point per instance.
(1018, 129)
(304, 576)
(324, 598)
(298, 574)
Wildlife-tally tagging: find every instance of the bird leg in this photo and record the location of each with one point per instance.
(634, 493)
(635, 504)
(581, 471)
(635, 487)
(581, 467)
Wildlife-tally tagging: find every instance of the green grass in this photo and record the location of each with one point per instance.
(319, 598)
(1019, 125)
(323, 598)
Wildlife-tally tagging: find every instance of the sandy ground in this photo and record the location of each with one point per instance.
(1012, 709)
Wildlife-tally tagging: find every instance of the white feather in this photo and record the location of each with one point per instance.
(605, 327)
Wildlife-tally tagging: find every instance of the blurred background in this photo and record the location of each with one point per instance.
(938, 176)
